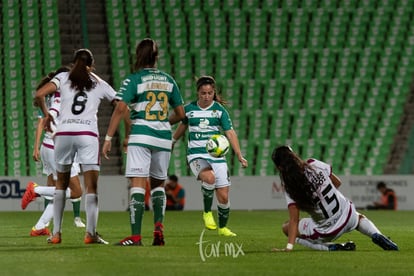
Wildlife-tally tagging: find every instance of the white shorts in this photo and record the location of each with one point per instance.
(47, 155)
(220, 170)
(145, 162)
(85, 146)
(309, 230)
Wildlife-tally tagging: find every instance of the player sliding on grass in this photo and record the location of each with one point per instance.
(312, 187)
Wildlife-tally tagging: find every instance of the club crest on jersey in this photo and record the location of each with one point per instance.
(204, 123)
(215, 114)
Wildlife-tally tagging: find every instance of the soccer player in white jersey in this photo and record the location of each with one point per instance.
(45, 153)
(77, 134)
(148, 93)
(311, 186)
(205, 117)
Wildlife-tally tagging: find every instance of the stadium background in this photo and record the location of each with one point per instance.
(331, 78)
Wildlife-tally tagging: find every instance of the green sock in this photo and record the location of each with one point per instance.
(46, 202)
(158, 205)
(76, 208)
(207, 199)
(136, 212)
(223, 216)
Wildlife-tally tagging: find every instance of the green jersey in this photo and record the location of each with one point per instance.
(149, 93)
(202, 123)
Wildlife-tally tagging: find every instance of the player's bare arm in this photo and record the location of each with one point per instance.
(177, 115)
(45, 90)
(119, 113)
(290, 228)
(335, 180)
(234, 142)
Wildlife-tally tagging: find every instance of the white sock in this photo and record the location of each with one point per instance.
(366, 227)
(316, 246)
(92, 212)
(46, 217)
(75, 199)
(59, 201)
(45, 190)
(49, 191)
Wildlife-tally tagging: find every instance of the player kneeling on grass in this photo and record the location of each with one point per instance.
(311, 186)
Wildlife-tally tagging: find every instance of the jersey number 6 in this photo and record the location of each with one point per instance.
(79, 103)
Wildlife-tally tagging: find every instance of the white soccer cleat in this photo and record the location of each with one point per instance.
(78, 222)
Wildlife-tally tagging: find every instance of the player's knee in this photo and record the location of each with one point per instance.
(154, 182)
(207, 176)
(75, 193)
(223, 199)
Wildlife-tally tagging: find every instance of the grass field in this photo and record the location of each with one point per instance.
(247, 254)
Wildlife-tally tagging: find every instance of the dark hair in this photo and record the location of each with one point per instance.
(146, 54)
(381, 184)
(208, 80)
(294, 173)
(79, 76)
(49, 77)
(173, 177)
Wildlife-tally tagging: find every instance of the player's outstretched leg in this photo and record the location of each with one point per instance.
(348, 246)
(384, 242)
(367, 227)
(29, 195)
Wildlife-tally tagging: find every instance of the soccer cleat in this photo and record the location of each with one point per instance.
(384, 242)
(29, 195)
(209, 221)
(226, 232)
(89, 239)
(55, 239)
(348, 246)
(158, 235)
(134, 240)
(39, 232)
(78, 222)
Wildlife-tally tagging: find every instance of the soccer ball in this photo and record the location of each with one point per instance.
(217, 145)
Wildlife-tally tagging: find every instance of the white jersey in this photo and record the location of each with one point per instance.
(78, 111)
(333, 208)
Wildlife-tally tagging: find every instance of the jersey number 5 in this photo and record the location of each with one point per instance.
(328, 199)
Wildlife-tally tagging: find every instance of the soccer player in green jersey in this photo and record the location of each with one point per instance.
(148, 93)
(205, 117)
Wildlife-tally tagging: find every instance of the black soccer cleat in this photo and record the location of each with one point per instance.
(348, 246)
(384, 242)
